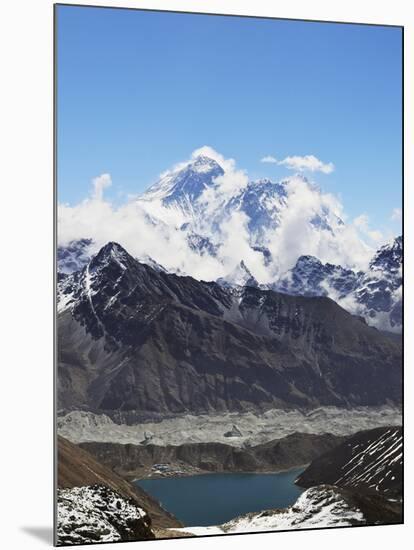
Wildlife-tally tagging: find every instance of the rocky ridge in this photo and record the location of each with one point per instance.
(133, 338)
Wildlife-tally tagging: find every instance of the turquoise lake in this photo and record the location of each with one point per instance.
(216, 498)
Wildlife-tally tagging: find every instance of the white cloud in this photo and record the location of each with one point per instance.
(363, 225)
(147, 228)
(230, 183)
(361, 221)
(99, 184)
(236, 247)
(307, 163)
(130, 226)
(143, 231)
(269, 159)
(331, 241)
(396, 215)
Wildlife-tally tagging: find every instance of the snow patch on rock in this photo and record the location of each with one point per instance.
(322, 506)
(96, 513)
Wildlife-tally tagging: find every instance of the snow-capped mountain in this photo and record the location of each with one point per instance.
(196, 192)
(388, 258)
(182, 188)
(380, 291)
(310, 277)
(211, 222)
(263, 202)
(374, 294)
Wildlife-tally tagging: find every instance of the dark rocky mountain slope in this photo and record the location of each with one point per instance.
(369, 460)
(132, 338)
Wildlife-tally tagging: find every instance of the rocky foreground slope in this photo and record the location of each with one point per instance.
(96, 513)
(78, 469)
(369, 460)
(132, 338)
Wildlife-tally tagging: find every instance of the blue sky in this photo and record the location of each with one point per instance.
(139, 91)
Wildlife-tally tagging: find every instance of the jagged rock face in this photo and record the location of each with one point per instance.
(96, 513)
(370, 460)
(132, 338)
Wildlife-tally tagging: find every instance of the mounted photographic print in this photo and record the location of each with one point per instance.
(229, 274)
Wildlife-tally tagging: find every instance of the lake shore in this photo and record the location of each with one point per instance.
(200, 472)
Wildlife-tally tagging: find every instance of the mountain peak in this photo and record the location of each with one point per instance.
(112, 252)
(203, 163)
(240, 276)
(307, 260)
(112, 247)
(184, 185)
